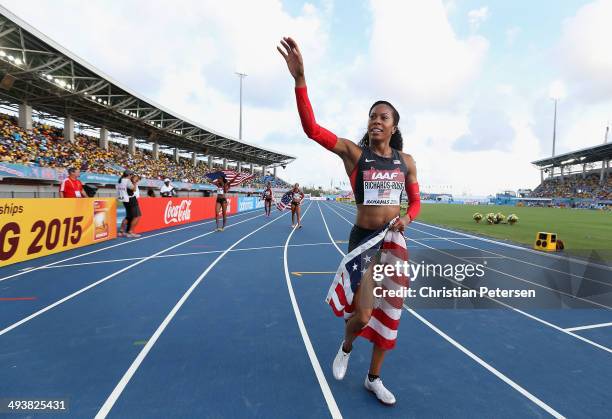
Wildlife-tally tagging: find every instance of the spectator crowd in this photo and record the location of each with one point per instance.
(574, 186)
(45, 146)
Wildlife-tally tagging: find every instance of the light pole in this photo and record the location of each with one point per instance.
(241, 75)
(554, 127)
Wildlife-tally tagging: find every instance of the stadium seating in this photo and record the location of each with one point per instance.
(45, 146)
(575, 186)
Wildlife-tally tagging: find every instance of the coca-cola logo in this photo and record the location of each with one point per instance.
(178, 213)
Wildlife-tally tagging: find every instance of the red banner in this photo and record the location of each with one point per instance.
(167, 212)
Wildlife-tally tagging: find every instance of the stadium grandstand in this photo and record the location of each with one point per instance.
(60, 112)
(579, 178)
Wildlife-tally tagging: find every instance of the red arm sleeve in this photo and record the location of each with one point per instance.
(414, 200)
(313, 130)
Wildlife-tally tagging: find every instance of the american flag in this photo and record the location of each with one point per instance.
(285, 201)
(234, 178)
(385, 193)
(386, 313)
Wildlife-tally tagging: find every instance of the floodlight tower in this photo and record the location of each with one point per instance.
(242, 76)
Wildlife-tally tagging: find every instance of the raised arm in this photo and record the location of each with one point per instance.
(346, 149)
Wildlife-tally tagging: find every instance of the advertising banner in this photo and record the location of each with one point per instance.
(35, 227)
(168, 212)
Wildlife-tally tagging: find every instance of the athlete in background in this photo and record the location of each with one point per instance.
(268, 196)
(221, 204)
(296, 202)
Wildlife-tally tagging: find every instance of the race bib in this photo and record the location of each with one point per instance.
(383, 187)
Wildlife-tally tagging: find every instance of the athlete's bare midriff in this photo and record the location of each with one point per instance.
(373, 217)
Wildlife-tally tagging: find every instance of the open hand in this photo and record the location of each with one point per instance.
(292, 55)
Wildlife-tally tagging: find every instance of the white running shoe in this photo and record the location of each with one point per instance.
(382, 394)
(340, 364)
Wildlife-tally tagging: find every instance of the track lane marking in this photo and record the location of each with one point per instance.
(70, 265)
(106, 278)
(586, 300)
(539, 320)
(125, 379)
(127, 241)
(312, 355)
(590, 326)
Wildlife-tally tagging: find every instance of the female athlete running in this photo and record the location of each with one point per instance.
(378, 171)
(267, 197)
(296, 200)
(221, 205)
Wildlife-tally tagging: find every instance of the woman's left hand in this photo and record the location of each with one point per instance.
(401, 223)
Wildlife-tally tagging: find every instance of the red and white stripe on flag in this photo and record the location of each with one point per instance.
(236, 178)
(383, 325)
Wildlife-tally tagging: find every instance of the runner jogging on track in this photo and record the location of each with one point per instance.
(268, 196)
(221, 204)
(296, 201)
(375, 168)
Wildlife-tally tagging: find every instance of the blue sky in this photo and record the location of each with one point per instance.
(470, 78)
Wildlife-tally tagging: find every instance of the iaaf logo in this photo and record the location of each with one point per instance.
(385, 175)
(177, 213)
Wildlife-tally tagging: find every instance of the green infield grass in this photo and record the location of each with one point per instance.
(585, 233)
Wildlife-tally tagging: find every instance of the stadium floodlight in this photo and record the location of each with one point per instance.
(18, 61)
(2, 53)
(10, 57)
(49, 77)
(557, 91)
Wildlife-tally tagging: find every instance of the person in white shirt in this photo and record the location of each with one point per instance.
(167, 190)
(122, 195)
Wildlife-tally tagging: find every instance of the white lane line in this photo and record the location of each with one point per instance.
(314, 361)
(481, 257)
(586, 300)
(476, 358)
(581, 277)
(125, 379)
(526, 249)
(183, 254)
(539, 320)
(106, 278)
(590, 326)
(127, 241)
(445, 238)
(488, 366)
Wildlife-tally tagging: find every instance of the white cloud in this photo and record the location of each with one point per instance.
(186, 62)
(477, 16)
(584, 51)
(415, 57)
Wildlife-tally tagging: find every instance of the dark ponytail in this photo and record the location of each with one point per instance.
(397, 142)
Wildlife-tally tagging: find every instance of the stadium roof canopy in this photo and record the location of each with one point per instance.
(585, 155)
(38, 71)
